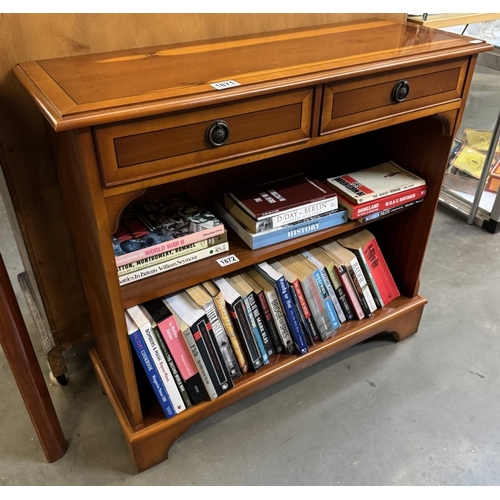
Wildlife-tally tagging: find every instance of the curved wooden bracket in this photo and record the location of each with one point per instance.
(116, 204)
(448, 121)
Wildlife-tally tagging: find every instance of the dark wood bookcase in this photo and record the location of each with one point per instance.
(323, 100)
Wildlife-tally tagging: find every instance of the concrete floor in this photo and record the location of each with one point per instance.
(420, 412)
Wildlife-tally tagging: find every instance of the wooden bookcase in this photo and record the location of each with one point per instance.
(320, 100)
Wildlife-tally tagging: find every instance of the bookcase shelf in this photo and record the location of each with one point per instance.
(315, 100)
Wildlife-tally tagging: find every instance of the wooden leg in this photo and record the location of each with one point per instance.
(24, 365)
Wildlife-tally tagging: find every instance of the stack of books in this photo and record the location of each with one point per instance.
(376, 191)
(285, 208)
(195, 344)
(155, 236)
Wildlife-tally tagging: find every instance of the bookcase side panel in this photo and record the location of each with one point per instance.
(85, 207)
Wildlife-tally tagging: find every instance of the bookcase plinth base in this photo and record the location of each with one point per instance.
(150, 444)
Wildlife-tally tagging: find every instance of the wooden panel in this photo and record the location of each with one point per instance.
(174, 143)
(27, 163)
(367, 99)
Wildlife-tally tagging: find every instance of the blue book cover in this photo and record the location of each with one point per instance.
(266, 238)
(143, 354)
(281, 285)
(332, 313)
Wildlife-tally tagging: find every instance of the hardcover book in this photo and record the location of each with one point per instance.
(281, 219)
(144, 356)
(238, 313)
(157, 226)
(266, 238)
(356, 211)
(280, 195)
(225, 316)
(374, 182)
(364, 244)
(173, 337)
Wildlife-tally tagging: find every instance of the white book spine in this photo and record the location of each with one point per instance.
(158, 358)
(363, 283)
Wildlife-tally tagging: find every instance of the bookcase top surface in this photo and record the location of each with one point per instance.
(101, 88)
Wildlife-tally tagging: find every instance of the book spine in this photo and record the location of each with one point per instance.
(303, 308)
(331, 292)
(163, 369)
(282, 219)
(291, 315)
(221, 378)
(255, 330)
(176, 253)
(340, 292)
(183, 358)
(172, 264)
(266, 238)
(359, 291)
(169, 245)
(199, 338)
(317, 306)
(396, 200)
(200, 363)
(388, 211)
(360, 276)
(152, 373)
(173, 368)
(268, 318)
(332, 314)
(350, 291)
(227, 353)
(237, 311)
(380, 271)
(261, 324)
(279, 319)
(225, 317)
(372, 285)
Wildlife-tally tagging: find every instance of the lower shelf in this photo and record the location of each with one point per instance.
(150, 444)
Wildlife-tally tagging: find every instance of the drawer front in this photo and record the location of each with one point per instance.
(176, 143)
(362, 100)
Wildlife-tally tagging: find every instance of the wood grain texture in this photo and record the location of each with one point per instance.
(37, 207)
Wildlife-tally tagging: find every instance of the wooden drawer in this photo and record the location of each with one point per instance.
(175, 143)
(358, 101)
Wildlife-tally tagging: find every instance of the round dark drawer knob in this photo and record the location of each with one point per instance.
(400, 91)
(218, 133)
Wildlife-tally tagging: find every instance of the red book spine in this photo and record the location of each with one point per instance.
(394, 200)
(380, 271)
(349, 290)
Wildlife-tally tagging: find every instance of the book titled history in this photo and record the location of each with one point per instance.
(281, 195)
(296, 230)
(156, 226)
(374, 182)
